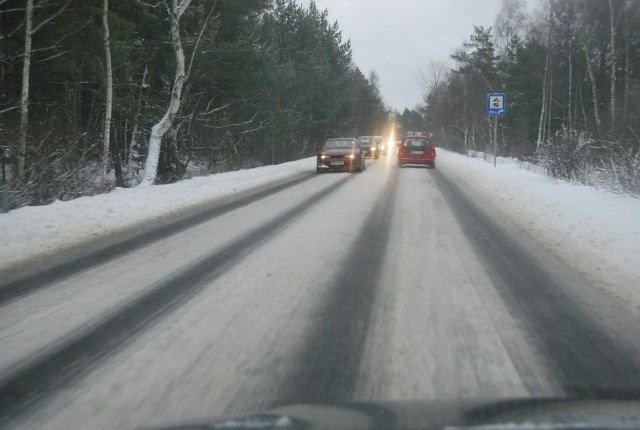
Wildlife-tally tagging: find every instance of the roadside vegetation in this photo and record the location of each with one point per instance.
(571, 75)
(87, 88)
(95, 95)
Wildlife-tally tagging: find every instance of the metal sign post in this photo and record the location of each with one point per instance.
(495, 140)
(496, 106)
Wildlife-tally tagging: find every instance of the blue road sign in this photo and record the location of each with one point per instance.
(496, 104)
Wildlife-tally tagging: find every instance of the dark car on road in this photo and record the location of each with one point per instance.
(371, 145)
(341, 154)
(417, 149)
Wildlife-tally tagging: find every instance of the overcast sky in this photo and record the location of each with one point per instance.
(397, 38)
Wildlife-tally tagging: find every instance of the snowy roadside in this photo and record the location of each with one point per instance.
(596, 231)
(37, 230)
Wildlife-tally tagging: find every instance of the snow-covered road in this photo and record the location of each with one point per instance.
(386, 285)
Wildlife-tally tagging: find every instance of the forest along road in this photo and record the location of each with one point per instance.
(392, 284)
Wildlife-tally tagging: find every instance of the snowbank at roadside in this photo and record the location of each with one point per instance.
(594, 229)
(597, 231)
(35, 230)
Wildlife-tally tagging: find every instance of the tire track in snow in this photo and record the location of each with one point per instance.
(27, 285)
(62, 364)
(586, 360)
(327, 366)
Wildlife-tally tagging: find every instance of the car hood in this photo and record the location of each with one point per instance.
(455, 414)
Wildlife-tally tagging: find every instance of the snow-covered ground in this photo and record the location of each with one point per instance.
(439, 328)
(35, 230)
(596, 231)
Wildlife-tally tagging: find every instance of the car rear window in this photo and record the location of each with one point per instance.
(417, 143)
(337, 144)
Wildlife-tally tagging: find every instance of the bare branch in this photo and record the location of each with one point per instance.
(15, 30)
(219, 127)
(153, 6)
(436, 73)
(60, 54)
(209, 112)
(10, 109)
(204, 25)
(18, 9)
(260, 127)
(55, 44)
(52, 17)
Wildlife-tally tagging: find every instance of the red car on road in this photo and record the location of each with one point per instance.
(342, 153)
(417, 148)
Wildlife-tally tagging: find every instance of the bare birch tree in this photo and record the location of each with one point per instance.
(594, 85)
(132, 150)
(545, 95)
(614, 65)
(24, 98)
(433, 83)
(26, 73)
(510, 22)
(437, 72)
(629, 33)
(160, 129)
(109, 94)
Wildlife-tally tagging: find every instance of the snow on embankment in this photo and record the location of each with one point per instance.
(596, 231)
(37, 230)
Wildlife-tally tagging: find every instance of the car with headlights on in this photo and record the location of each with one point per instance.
(417, 148)
(371, 145)
(385, 146)
(342, 153)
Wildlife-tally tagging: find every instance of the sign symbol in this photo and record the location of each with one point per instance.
(496, 104)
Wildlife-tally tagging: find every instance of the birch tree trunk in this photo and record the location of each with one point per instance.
(594, 88)
(543, 109)
(549, 103)
(132, 150)
(570, 98)
(24, 100)
(159, 129)
(627, 74)
(109, 95)
(613, 66)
